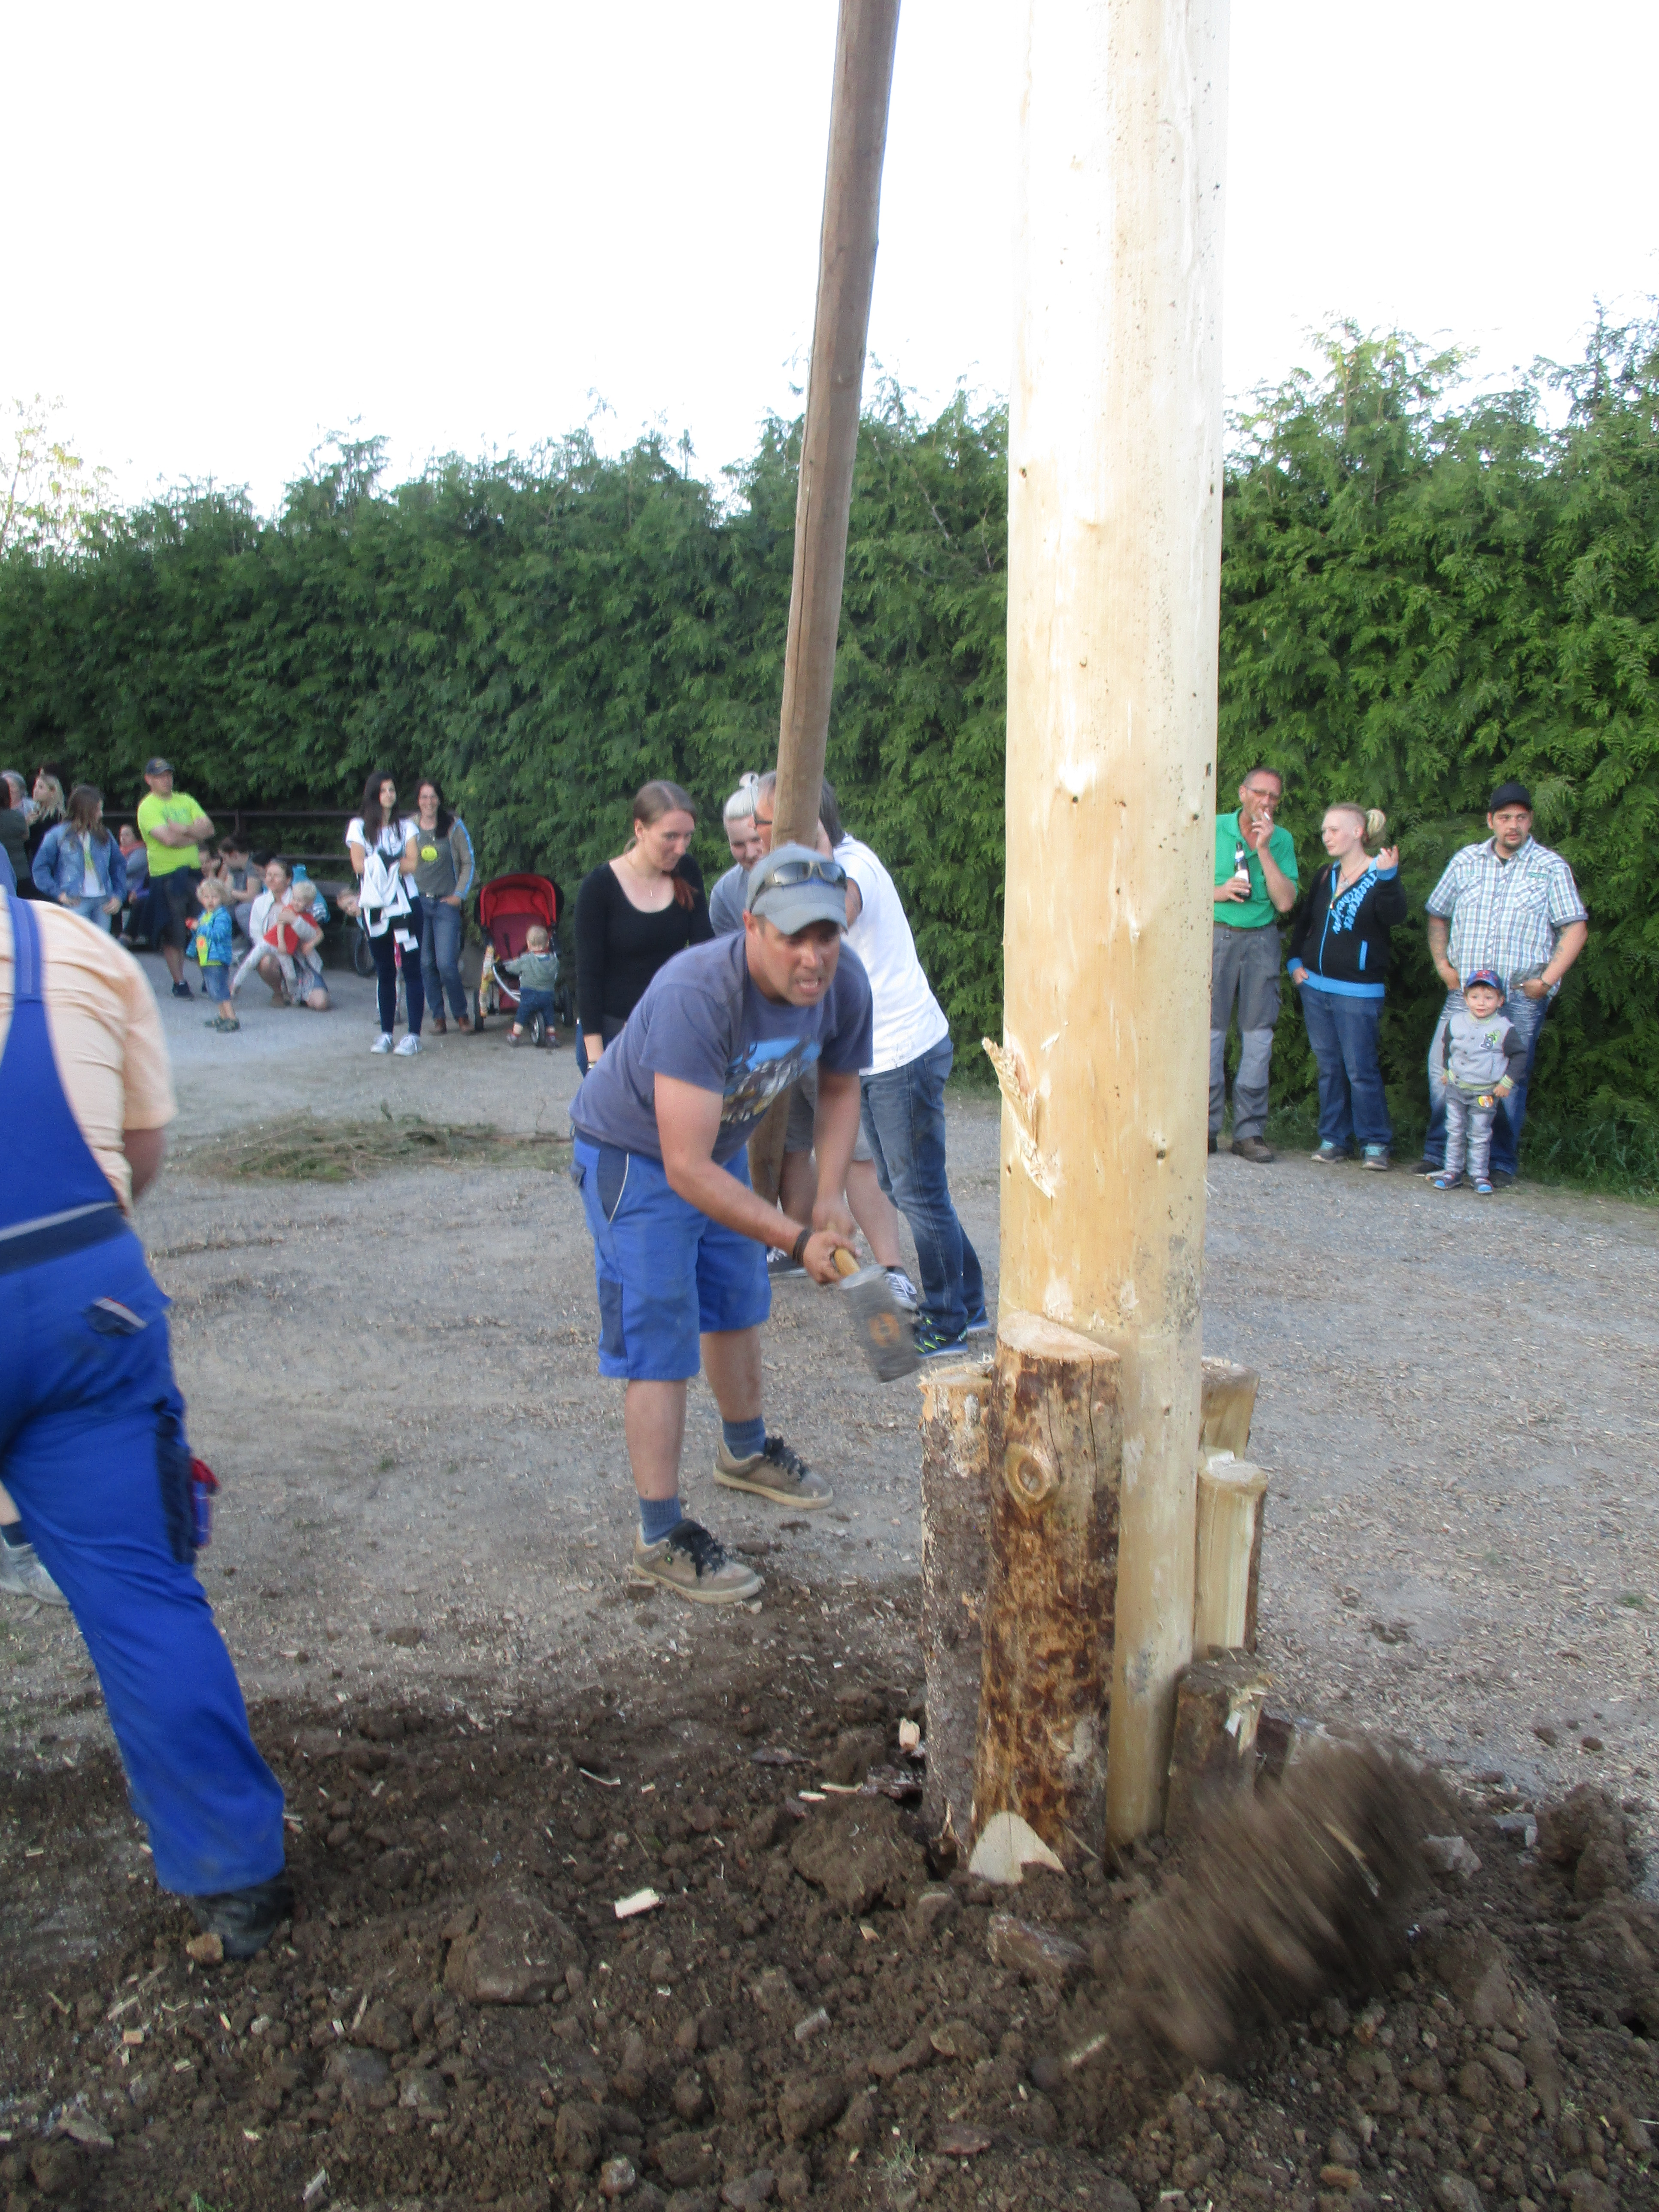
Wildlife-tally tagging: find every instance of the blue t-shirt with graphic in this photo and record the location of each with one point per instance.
(702, 1021)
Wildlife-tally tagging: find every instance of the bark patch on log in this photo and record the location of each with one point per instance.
(1050, 1602)
(1217, 1706)
(960, 1424)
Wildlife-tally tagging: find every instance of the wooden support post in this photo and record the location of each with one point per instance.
(1054, 1562)
(1229, 1407)
(865, 40)
(1230, 1494)
(959, 1432)
(1115, 541)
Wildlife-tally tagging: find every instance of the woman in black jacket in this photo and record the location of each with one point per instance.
(633, 914)
(1339, 960)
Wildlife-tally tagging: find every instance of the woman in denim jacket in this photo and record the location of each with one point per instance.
(79, 864)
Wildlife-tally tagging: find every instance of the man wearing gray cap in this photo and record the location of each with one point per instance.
(679, 1238)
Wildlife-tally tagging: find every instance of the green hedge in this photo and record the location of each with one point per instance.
(1418, 597)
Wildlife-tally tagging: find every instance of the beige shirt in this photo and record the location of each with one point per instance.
(105, 1033)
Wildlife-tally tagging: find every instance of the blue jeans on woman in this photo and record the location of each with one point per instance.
(441, 958)
(904, 1115)
(1354, 1107)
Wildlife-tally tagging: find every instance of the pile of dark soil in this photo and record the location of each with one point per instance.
(811, 2012)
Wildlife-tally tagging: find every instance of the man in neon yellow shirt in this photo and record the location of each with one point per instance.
(171, 826)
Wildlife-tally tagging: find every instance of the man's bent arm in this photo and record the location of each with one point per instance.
(688, 1123)
(143, 1149)
(835, 1133)
(1439, 938)
(1568, 947)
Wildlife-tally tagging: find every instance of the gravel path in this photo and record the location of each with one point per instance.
(426, 1494)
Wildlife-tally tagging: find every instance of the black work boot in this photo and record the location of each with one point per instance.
(244, 1920)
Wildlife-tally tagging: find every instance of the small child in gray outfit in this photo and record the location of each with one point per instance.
(536, 970)
(1482, 1058)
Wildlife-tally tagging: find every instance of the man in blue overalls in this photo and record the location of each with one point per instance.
(91, 1425)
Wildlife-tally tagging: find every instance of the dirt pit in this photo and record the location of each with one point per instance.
(813, 2011)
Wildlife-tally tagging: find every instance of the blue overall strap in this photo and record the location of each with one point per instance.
(53, 1188)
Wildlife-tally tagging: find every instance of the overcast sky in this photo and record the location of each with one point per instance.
(234, 229)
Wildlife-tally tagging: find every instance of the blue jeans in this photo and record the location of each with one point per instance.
(532, 1002)
(1342, 1031)
(1528, 1016)
(441, 958)
(904, 1128)
(93, 1449)
(93, 910)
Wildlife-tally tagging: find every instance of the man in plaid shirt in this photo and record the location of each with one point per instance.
(1511, 905)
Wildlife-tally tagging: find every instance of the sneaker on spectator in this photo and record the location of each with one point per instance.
(1376, 1158)
(1482, 1189)
(774, 1472)
(780, 1263)
(382, 1043)
(407, 1048)
(1441, 1181)
(980, 1325)
(906, 1296)
(21, 1574)
(1328, 1156)
(182, 990)
(696, 1565)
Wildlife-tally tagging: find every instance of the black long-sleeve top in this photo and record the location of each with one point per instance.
(619, 949)
(1344, 940)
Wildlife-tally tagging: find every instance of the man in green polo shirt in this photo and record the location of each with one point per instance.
(171, 824)
(1254, 884)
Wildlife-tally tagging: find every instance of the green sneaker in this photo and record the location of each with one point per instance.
(693, 1564)
(774, 1472)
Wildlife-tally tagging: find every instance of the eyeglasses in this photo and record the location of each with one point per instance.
(788, 873)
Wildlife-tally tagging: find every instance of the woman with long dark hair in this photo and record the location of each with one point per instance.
(79, 864)
(635, 914)
(443, 877)
(384, 851)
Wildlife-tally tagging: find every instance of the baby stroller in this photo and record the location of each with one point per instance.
(507, 906)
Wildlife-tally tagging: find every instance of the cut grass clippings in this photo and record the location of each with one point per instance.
(301, 1148)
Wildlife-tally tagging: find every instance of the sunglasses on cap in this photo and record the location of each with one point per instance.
(788, 873)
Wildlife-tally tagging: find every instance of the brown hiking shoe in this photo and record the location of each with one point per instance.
(438, 1025)
(697, 1566)
(1252, 1148)
(775, 1473)
(464, 1023)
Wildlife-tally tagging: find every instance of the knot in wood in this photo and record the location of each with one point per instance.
(1032, 1477)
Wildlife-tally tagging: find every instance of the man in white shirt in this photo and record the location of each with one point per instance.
(902, 1094)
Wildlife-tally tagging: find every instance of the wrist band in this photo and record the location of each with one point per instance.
(799, 1246)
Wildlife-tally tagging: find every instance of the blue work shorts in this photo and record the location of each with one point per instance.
(666, 1274)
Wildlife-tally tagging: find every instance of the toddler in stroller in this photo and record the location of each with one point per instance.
(511, 909)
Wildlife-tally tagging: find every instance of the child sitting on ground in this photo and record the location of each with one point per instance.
(1482, 1058)
(210, 945)
(536, 970)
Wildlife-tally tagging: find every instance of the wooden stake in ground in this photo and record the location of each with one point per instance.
(865, 40)
(1115, 540)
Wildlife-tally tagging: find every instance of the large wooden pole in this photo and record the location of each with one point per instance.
(865, 40)
(1114, 539)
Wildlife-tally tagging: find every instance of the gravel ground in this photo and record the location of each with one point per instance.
(426, 1497)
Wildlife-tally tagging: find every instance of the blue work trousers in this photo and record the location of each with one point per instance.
(93, 1450)
(903, 1116)
(441, 958)
(1528, 1016)
(1354, 1107)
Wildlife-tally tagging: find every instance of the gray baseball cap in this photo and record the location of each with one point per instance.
(794, 886)
(158, 767)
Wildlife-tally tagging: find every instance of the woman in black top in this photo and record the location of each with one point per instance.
(1338, 958)
(633, 914)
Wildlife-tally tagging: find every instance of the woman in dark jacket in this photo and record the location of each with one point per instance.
(1339, 960)
(633, 914)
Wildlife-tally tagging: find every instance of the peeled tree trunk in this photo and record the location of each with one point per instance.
(1115, 540)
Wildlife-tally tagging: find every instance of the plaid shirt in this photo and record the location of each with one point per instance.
(1506, 914)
